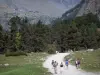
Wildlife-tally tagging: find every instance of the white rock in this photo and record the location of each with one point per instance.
(57, 52)
(6, 64)
(90, 50)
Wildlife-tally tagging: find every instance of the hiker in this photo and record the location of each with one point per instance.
(67, 63)
(61, 67)
(55, 67)
(52, 63)
(76, 64)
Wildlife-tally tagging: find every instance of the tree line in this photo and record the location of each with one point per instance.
(63, 35)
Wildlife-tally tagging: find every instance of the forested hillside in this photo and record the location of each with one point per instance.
(81, 33)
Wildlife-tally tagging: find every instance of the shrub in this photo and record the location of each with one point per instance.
(51, 49)
(17, 53)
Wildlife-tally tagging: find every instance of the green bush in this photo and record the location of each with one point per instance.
(17, 53)
(51, 51)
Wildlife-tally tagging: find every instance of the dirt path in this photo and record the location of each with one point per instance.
(71, 69)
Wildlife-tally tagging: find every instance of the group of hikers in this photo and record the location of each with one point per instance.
(61, 65)
(77, 63)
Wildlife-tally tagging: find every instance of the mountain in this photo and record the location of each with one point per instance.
(84, 7)
(92, 6)
(71, 13)
(34, 9)
(52, 8)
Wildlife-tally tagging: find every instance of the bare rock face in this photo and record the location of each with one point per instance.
(34, 9)
(54, 8)
(92, 6)
(83, 7)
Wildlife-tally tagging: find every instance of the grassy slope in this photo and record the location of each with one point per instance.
(90, 61)
(23, 65)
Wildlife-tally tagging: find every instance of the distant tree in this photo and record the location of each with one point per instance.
(14, 23)
(1, 37)
(87, 19)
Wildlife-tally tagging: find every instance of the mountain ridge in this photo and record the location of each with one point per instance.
(34, 9)
(84, 7)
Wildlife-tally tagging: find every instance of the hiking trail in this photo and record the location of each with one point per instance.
(71, 69)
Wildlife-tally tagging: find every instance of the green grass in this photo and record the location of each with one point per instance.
(23, 65)
(90, 61)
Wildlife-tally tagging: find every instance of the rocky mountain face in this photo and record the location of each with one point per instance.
(90, 6)
(52, 8)
(84, 7)
(45, 10)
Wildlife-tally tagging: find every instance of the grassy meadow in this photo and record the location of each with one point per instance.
(23, 65)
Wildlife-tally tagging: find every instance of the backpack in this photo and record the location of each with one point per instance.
(78, 62)
(55, 64)
(52, 63)
(61, 65)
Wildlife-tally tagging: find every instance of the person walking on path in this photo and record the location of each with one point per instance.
(67, 63)
(76, 64)
(61, 67)
(55, 67)
(52, 63)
